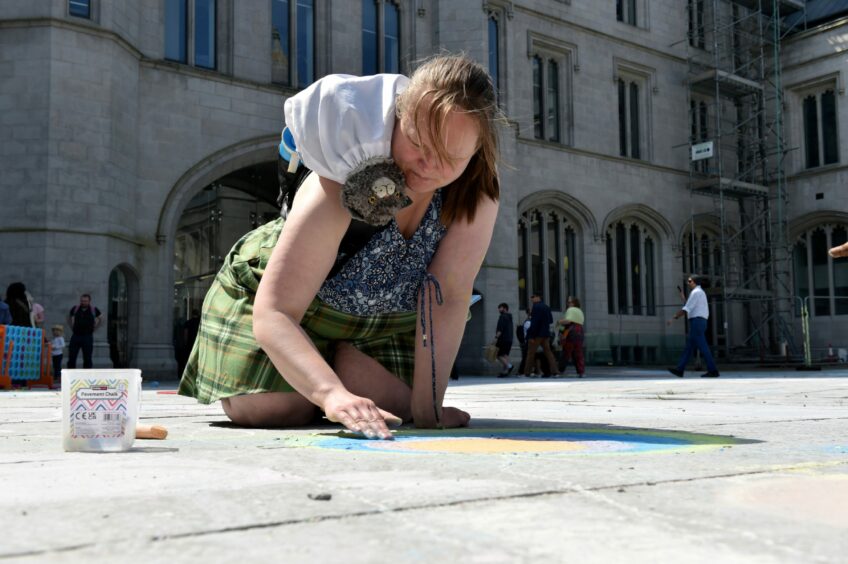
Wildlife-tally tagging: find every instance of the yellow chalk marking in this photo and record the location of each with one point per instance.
(477, 445)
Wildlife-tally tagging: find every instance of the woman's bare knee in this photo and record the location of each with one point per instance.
(270, 409)
(364, 376)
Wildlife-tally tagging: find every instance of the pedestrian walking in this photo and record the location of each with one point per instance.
(572, 336)
(521, 335)
(539, 335)
(84, 319)
(503, 339)
(697, 310)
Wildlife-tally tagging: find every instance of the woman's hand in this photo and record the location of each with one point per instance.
(359, 415)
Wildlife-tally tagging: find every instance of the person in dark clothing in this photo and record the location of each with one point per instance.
(83, 319)
(190, 329)
(539, 335)
(18, 303)
(520, 333)
(189, 336)
(503, 339)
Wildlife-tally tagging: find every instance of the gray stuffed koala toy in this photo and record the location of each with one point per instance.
(374, 191)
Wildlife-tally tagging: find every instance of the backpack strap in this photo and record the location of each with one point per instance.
(358, 232)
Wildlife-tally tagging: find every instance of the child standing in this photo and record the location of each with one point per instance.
(58, 345)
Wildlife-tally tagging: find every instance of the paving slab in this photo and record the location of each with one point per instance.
(626, 466)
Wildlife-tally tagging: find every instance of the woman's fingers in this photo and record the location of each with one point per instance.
(840, 251)
(360, 415)
(347, 420)
(390, 419)
(371, 422)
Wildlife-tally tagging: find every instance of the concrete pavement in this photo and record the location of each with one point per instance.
(631, 465)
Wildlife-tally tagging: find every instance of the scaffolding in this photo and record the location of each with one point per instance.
(736, 159)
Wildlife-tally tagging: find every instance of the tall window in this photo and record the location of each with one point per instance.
(696, 24)
(203, 26)
(552, 102)
(820, 140)
(631, 279)
(538, 101)
(546, 99)
(370, 44)
(494, 50)
(801, 268)
(698, 117)
(80, 8)
(305, 42)
(176, 30)
(839, 281)
(817, 275)
(391, 38)
(293, 19)
(629, 137)
(625, 11)
(204, 33)
(546, 257)
(380, 37)
(551, 59)
(280, 37)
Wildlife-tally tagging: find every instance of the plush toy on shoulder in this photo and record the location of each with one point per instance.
(334, 128)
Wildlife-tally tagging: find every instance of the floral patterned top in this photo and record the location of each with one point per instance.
(386, 274)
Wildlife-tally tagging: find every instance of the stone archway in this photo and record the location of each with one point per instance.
(209, 208)
(229, 159)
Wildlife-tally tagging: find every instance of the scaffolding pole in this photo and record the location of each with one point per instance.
(736, 110)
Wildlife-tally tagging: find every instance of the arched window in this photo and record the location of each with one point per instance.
(546, 257)
(702, 254)
(631, 264)
(817, 275)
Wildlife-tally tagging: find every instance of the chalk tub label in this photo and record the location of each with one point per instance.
(98, 408)
(98, 393)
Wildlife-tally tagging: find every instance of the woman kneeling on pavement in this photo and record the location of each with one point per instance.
(292, 327)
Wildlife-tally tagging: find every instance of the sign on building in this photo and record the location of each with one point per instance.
(702, 151)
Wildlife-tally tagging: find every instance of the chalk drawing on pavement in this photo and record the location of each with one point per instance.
(538, 441)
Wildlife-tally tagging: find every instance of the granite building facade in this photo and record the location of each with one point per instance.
(138, 141)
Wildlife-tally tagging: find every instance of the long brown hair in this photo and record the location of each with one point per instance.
(456, 83)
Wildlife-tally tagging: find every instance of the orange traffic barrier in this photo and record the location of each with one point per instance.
(5, 365)
(46, 379)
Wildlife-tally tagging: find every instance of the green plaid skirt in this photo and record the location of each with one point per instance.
(226, 359)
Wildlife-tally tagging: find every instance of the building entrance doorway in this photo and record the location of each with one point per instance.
(211, 223)
(118, 315)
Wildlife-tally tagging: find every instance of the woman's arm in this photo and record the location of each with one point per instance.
(455, 265)
(303, 256)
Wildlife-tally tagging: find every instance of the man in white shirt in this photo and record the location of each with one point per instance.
(697, 310)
